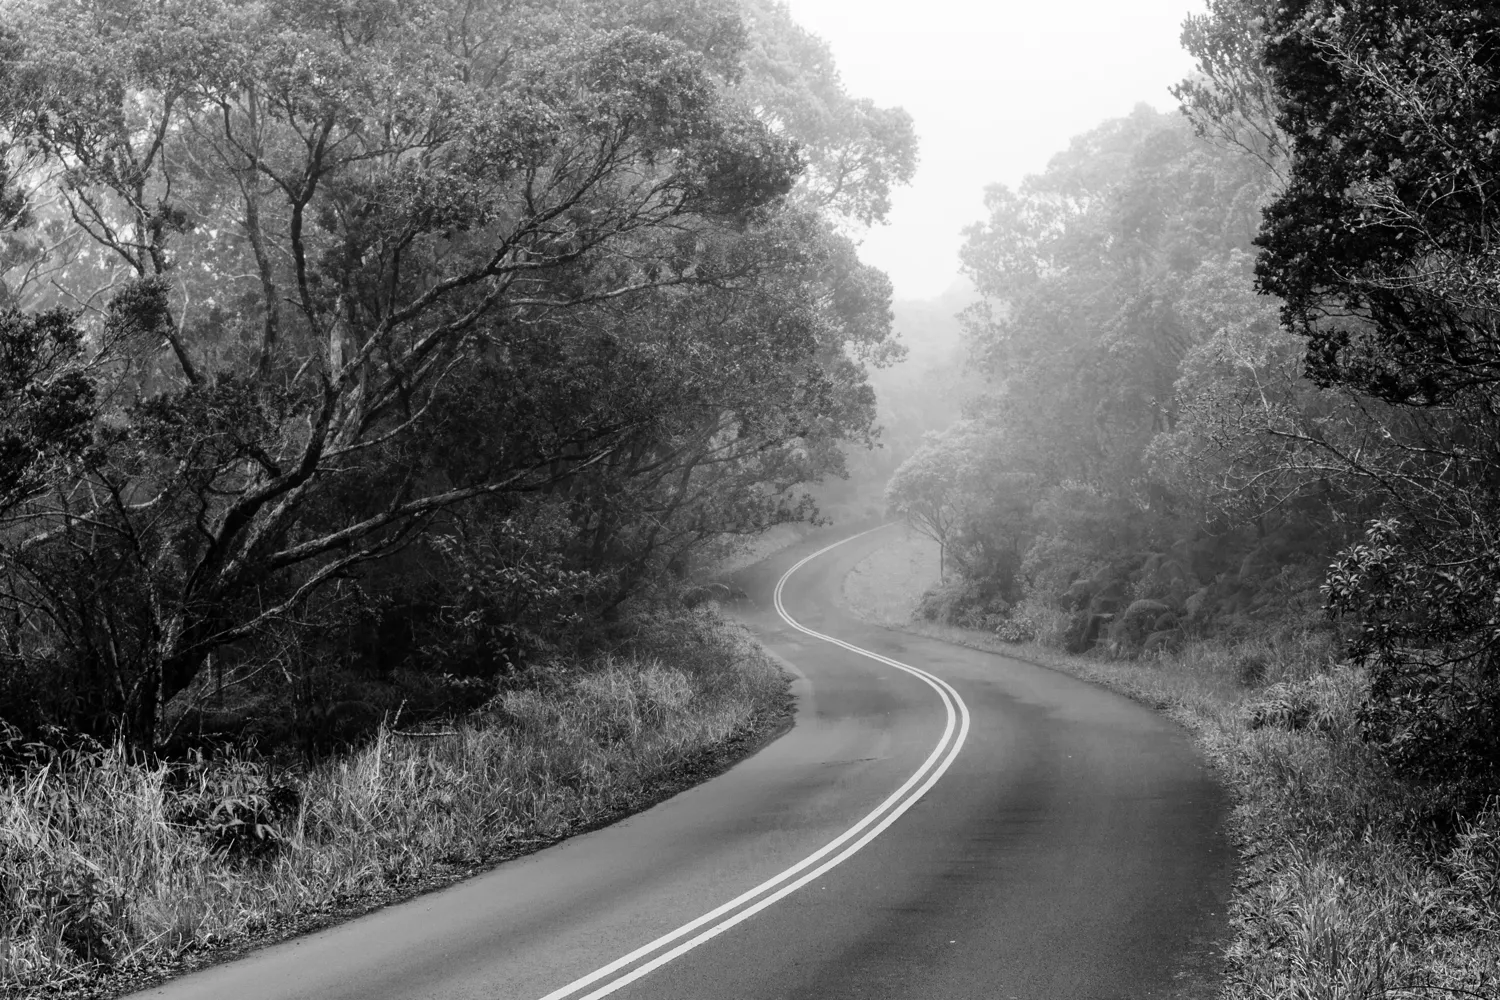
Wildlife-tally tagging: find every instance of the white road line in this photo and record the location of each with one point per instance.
(955, 732)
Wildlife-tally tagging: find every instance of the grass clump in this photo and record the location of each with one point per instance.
(1356, 882)
(114, 866)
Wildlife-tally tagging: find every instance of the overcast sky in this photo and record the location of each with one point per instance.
(996, 87)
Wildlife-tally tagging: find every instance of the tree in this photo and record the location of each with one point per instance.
(933, 488)
(1248, 442)
(353, 274)
(1135, 378)
(1381, 248)
(957, 490)
(856, 152)
(1084, 271)
(1230, 98)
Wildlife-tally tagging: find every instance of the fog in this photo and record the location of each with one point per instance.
(996, 89)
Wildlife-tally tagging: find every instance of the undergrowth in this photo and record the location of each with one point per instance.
(112, 865)
(1355, 883)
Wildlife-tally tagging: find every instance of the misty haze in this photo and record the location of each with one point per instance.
(749, 499)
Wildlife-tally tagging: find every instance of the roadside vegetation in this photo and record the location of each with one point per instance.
(376, 379)
(1356, 882)
(1238, 453)
(144, 868)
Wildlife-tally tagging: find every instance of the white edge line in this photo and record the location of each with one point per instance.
(949, 697)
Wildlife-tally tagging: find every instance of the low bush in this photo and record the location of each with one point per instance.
(1048, 624)
(948, 602)
(1013, 628)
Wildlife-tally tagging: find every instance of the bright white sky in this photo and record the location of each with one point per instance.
(996, 88)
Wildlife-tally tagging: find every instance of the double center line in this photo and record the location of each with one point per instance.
(651, 956)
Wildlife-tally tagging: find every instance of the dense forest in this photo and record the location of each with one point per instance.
(1240, 373)
(382, 380)
(358, 354)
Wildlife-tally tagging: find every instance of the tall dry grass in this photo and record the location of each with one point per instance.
(1355, 883)
(110, 864)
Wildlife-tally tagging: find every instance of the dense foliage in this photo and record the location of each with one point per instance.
(1381, 249)
(1116, 467)
(1242, 370)
(358, 353)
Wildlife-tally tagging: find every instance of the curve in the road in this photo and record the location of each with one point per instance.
(1074, 850)
(624, 970)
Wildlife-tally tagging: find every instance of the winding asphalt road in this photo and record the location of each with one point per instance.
(939, 823)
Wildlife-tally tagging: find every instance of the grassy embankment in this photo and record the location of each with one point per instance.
(112, 873)
(1354, 884)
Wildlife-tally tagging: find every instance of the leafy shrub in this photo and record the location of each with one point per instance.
(1426, 610)
(1328, 703)
(1079, 530)
(950, 602)
(1048, 624)
(238, 810)
(1014, 628)
(1129, 631)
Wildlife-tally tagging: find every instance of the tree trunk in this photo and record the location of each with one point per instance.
(139, 721)
(181, 655)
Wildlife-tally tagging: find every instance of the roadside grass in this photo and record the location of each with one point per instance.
(113, 872)
(1354, 883)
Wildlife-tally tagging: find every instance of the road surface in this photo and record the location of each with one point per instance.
(939, 823)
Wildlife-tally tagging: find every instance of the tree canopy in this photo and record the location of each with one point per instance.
(297, 289)
(1244, 358)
